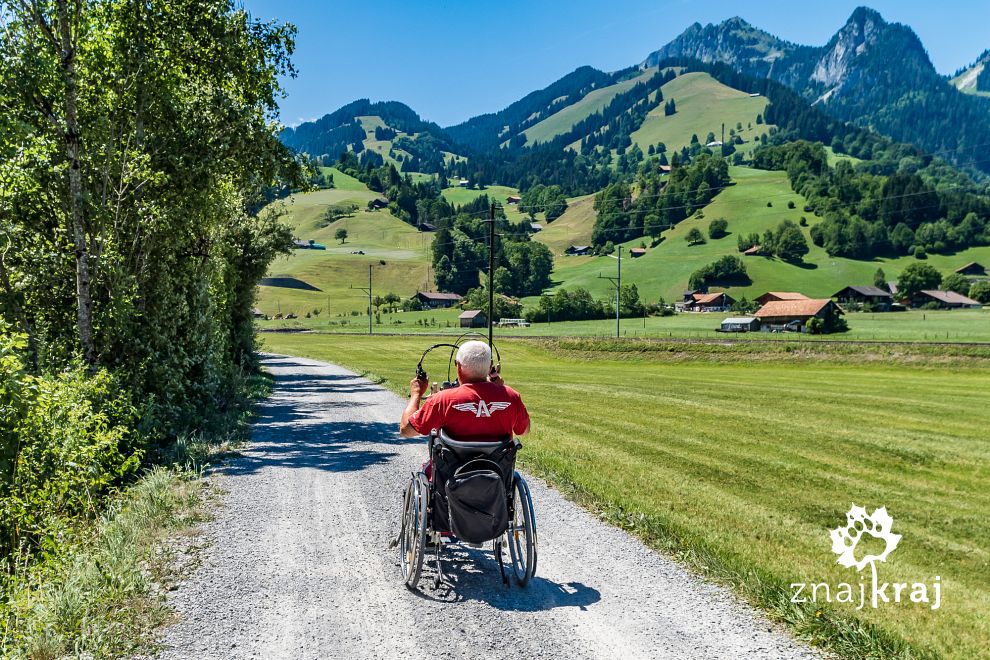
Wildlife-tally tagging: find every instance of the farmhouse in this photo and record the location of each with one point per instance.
(752, 252)
(535, 226)
(425, 226)
(473, 318)
(944, 300)
(972, 269)
(740, 324)
(873, 295)
(665, 169)
(513, 199)
(257, 313)
(578, 250)
(636, 252)
(794, 315)
(437, 300)
(771, 296)
(709, 302)
(378, 203)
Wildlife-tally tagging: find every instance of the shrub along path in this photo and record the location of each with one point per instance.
(299, 565)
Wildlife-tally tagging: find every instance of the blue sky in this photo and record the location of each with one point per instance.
(452, 60)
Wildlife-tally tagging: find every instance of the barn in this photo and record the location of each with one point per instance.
(437, 300)
(944, 300)
(771, 296)
(473, 318)
(793, 315)
(873, 295)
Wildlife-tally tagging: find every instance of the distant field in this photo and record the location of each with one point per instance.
(382, 238)
(964, 325)
(459, 196)
(595, 101)
(665, 270)
(703, 105)
(738, 459)
(572, 228)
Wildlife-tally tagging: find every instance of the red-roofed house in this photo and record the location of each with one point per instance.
(770, 296)
(794, 315)
(709, 302)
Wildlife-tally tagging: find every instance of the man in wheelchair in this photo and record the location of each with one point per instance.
(481, 408)
(468, 491)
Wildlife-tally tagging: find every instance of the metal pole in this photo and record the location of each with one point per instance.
(618, 292)
(369, 299)
(491, 271)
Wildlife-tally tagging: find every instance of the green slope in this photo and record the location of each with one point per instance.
(665, 269)
(562, 121)
(381, 236)
(572, 228)
(703, 105)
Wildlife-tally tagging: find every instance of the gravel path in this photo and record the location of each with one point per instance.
(297, 565)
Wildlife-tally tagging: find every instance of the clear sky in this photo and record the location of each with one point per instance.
(452, 60)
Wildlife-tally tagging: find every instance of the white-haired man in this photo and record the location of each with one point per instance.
(482, 408)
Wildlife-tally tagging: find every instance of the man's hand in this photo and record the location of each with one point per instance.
(417, 387)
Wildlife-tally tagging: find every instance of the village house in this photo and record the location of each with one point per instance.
(637, 252)
(944, 300)
(473, 318)
(437, 300)
(513, 199)
(771, 296)
(793, 315)
(752, 252)
(740, 324)
(709, 302)
(972, 269)
(862, 295)
(425, 226)
(578, 250)
(535, 226)
(378, 203)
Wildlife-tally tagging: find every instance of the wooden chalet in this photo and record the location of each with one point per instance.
(473, 318)
(437, 300)
(873, 295)
(794, 315)
(944, 300)
(972, 269)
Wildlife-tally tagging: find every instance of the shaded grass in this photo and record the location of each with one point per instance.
(738, 462)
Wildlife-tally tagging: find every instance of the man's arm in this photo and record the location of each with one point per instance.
(416, 389)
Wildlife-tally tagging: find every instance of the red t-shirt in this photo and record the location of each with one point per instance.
(473, 412)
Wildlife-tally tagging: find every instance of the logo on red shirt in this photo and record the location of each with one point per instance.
(482, 409)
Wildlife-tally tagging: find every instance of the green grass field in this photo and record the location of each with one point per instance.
(665, 269)
(572, 228)
(738, 459)
(703, 105)
(560, 122)
(460, 196)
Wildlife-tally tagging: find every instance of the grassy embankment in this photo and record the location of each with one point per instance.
(738, 459)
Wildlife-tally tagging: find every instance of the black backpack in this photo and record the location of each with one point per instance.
(476, 501)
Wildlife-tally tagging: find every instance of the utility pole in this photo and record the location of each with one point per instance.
(491, 271)
(368, 290)
(617, 283)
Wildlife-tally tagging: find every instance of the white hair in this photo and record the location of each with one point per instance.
(475, 358)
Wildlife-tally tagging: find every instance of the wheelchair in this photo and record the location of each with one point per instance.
(472, 496)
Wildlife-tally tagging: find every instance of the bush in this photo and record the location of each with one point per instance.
(717, 228)
(980, 292)
(725, 270)
(790, 204)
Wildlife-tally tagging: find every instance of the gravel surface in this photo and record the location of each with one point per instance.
(298, 567)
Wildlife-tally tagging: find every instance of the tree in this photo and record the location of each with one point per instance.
(980, 292)
(880, 278)
(917, 277)
(340, 235)
(956, 282)
(694, 237)
(717, 228)
(789, 243)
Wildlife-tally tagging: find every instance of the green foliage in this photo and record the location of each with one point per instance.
(956, 282)
(549, 200)
(725, 270)
(569, 305)
(505, 307)
(980, 291)
(880, 278)
(786, 242)
(694, 237)
(917, 277)
(340, 235)
(717, 228)
(335, 212)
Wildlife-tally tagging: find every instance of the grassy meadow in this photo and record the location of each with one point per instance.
(738, 459)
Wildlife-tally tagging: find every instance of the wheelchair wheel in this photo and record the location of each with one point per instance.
(412, 540)
(522, 533)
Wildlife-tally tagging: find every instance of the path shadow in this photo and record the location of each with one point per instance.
(472, 575)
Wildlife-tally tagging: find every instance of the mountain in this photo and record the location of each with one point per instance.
(873, 73)
(392, 131)
(974, 79)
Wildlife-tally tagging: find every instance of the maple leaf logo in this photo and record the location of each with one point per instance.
(858, 522)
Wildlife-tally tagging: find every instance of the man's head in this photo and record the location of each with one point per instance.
(474, 361)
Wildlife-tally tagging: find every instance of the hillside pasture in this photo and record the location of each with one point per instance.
(561, 121)
(572, 228)
(703, 105)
